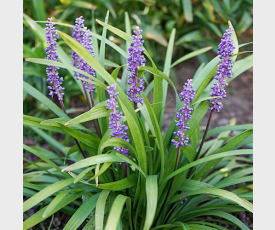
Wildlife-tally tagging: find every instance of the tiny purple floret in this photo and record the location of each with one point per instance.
(115, 122)
(187, 95)
(134, 62)
(185, 199)
(83, 36)
(224, 71)
(52, 73)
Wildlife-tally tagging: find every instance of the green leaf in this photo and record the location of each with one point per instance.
(81, 213)
(83, 4)
(225, 215)
(137, 138)
(235, 42)
(228, 128)
(41, 97)
(131, 162)
(234, 181)
(244, 23)
(104, 167)
(191, 55)
(39, 9)
(55, 202)
(229, 146)
(218, 192)
(37, 217)
(241, 65)
(35, 122)
(125, 183)
(115, 72)
(93, 161)
(33, 71)
(193, 36)
(152, 200)
(100, 208)
(53, 123)
(41, 156)
(208, 158)
(215, 29)
(82, 174)
(92, 114)
(157, 132)
(84, 138)
(48, 191)
(166, 70)
(119, 143)
(152, 33)
(115, 212)
(187, 9)
(191, 185)
(61, 65)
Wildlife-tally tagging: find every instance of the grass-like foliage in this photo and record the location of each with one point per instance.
(126, 173)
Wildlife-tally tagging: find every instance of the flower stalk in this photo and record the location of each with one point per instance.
(52, 71)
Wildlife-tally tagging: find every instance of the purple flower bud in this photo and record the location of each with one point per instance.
(116, 124)
(184, 199)
(187, 95)
(224, 71)
(83, 36)
(52, 72)
(134, 62)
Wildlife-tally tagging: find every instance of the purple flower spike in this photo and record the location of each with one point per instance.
(52, 72)
(224, 71)
(187, 95)
(117, 126)
(134, 62)
(83, 36)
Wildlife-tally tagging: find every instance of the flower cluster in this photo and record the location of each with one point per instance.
(187, 95)
(83, 36)
(224, 71)
(115, 122)
(134, 62)
(52, 55)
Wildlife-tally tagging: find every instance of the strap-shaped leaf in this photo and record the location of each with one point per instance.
(157, 132)
(38, 216)
(84, 138)
(115, 213)
(218, 192)
(81, 213)
(42, 98)
(152, 200)
(92, 114)
(100, 208)
(209, 158)
(46, 192)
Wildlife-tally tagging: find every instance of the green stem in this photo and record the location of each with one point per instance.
(85, 155)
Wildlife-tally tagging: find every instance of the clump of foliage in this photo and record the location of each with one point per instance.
(126, 173)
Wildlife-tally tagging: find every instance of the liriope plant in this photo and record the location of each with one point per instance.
(128, 174)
